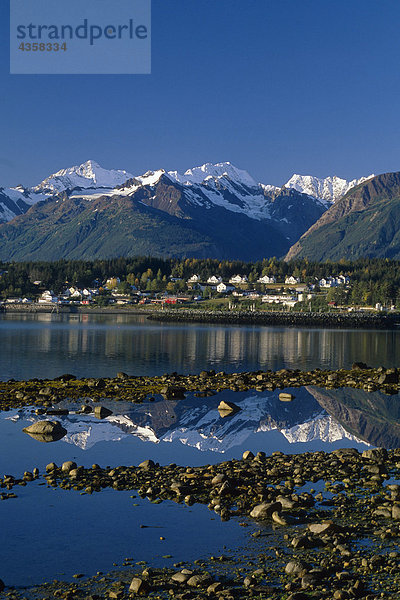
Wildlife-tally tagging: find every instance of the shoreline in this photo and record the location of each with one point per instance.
(317, 537)
(285, 319)
(331, 320)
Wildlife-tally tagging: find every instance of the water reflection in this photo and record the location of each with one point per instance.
(46, 345)
(196, 423)
(373, 417)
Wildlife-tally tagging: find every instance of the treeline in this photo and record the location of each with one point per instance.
(372, 280)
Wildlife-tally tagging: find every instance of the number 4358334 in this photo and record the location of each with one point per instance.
(42, 47)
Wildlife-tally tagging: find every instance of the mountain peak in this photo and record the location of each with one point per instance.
(198, 175)
(330, 189)
(87, 175)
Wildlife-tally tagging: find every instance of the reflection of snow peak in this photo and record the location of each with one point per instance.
(324, 428)
(85, 434)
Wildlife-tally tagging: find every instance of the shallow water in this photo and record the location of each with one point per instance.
(47, 345)
(55, 533)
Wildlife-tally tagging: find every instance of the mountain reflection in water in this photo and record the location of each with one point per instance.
(313, 416)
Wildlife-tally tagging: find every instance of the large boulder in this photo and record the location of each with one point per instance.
(46, 431)
(265, 510)
(227, 408)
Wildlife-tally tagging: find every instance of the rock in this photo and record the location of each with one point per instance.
(357, 366)
(122, 375)
(51, 467)
(180, 577)
(171, 392)
(295, 567)
(44, 427)
(227, 408)
(286, 397)
(220, 478)
(248, 455)
(276, 517)
(67, 466)
(376, 454)
(200, 580)
(265, 510)
(2, 585)
(287, 503)
(147, 464)
(214, 587)
(138, 586)
(390, 376)
(101, 412)
(396, 512)
(322, 528)
(46, 431)
(64, 378)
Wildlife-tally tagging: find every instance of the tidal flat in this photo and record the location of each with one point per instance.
(319, 523)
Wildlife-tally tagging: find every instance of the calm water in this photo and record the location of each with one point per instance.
(100, 345)
(54, 533)
(44, 524)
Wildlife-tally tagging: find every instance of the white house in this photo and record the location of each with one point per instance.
(214, 280)
(222, 288)
(238, 279)
(266, 279)
(48, 297)
(292, 280)
(193, 279)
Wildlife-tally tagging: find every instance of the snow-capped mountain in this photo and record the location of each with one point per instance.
(221, 184)
(86, 175)
(214, 210)
(329, 189)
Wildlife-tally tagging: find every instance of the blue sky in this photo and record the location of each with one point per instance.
(274, 86)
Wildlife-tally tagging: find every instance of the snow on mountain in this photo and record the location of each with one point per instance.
(86, 175)
(208, 170)
(329, 189)
(16, 201)
(324, 428)
(207, 186)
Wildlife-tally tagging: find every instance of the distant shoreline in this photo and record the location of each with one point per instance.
(284, 319)
(353, 320)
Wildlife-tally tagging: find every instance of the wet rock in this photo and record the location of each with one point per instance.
(322, 528)
(67, 466)
(40, 427)
(278, 519)
(295, 567)
(248, 455)
(66, 377)
(265, 510)
(138, 586)
(46, 431)
(147, 464)
(286, 397)
(226, 408)
(180, 577)
(214, 587)
(173, 392)
(101, 412)
(390, 376)
(396, 512)
(376, 454)
(200, 580)
(122, 375)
